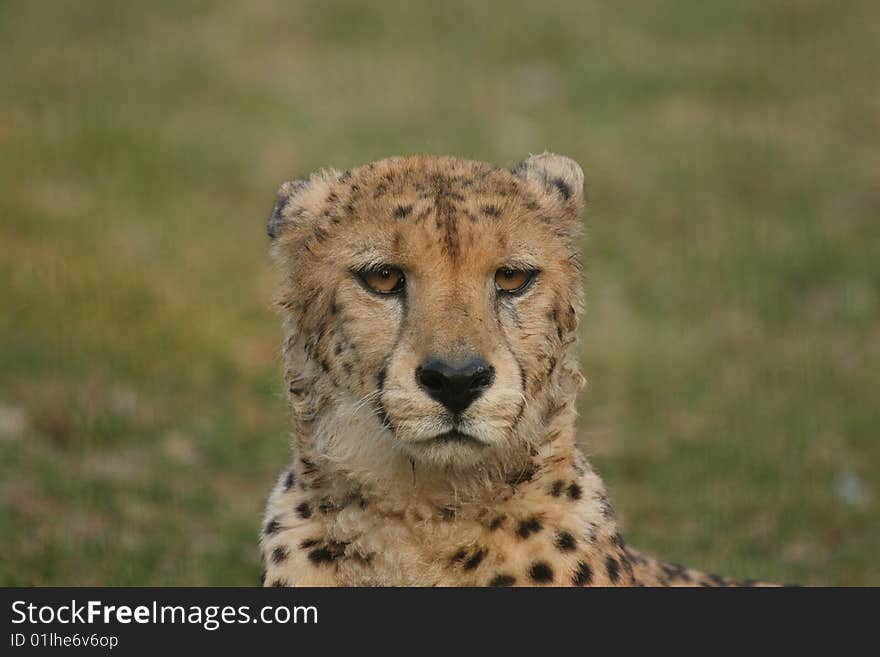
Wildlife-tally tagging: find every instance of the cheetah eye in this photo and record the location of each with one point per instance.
(513, 281)
(383, 280)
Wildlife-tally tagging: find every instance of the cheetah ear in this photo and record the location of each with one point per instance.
(288, 191)
(558, 174)
(296, 199)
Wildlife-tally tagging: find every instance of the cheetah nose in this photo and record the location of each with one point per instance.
(455, 385)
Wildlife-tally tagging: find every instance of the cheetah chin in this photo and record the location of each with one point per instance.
(430, 309)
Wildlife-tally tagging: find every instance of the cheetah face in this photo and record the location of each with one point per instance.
(436, 296)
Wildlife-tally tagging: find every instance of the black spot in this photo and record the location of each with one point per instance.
(541, 572)
(583, 575)
(380, 377)
(332, 197)
(563, 188)
(308, 466)
(288, 480)
(556, 489)
(321, 555)
(263, 578)
(309, 542)
(575, 492)
(613, 569)
(497, 521)
(606, 506)
(491, 210)
(325, 365)
(527, 473)
(304, 510)
(590, 533)
(475, 559)
(271, 527)
(522, 376)
(458, 556)
(565, 542)
(528, 527)
(279, 554)
(402, 211)
(718, 580)
(326, 505)
(617, 539)
(503, 580)
(279, 583)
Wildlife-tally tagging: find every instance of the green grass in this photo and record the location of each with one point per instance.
(732, 339)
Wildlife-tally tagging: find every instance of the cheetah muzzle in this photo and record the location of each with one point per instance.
(430, 308)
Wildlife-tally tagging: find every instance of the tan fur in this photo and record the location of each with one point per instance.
(371, 497)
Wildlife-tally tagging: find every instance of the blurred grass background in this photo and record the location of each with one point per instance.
(732, 338)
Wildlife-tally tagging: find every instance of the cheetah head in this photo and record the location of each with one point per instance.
(430, 307)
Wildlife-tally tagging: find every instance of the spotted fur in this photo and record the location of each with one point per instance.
(373, 496)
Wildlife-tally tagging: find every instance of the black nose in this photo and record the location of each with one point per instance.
(455, 385)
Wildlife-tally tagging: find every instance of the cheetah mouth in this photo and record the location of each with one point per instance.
(454, 437)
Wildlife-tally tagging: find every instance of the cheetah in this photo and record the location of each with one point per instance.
(430, 308)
